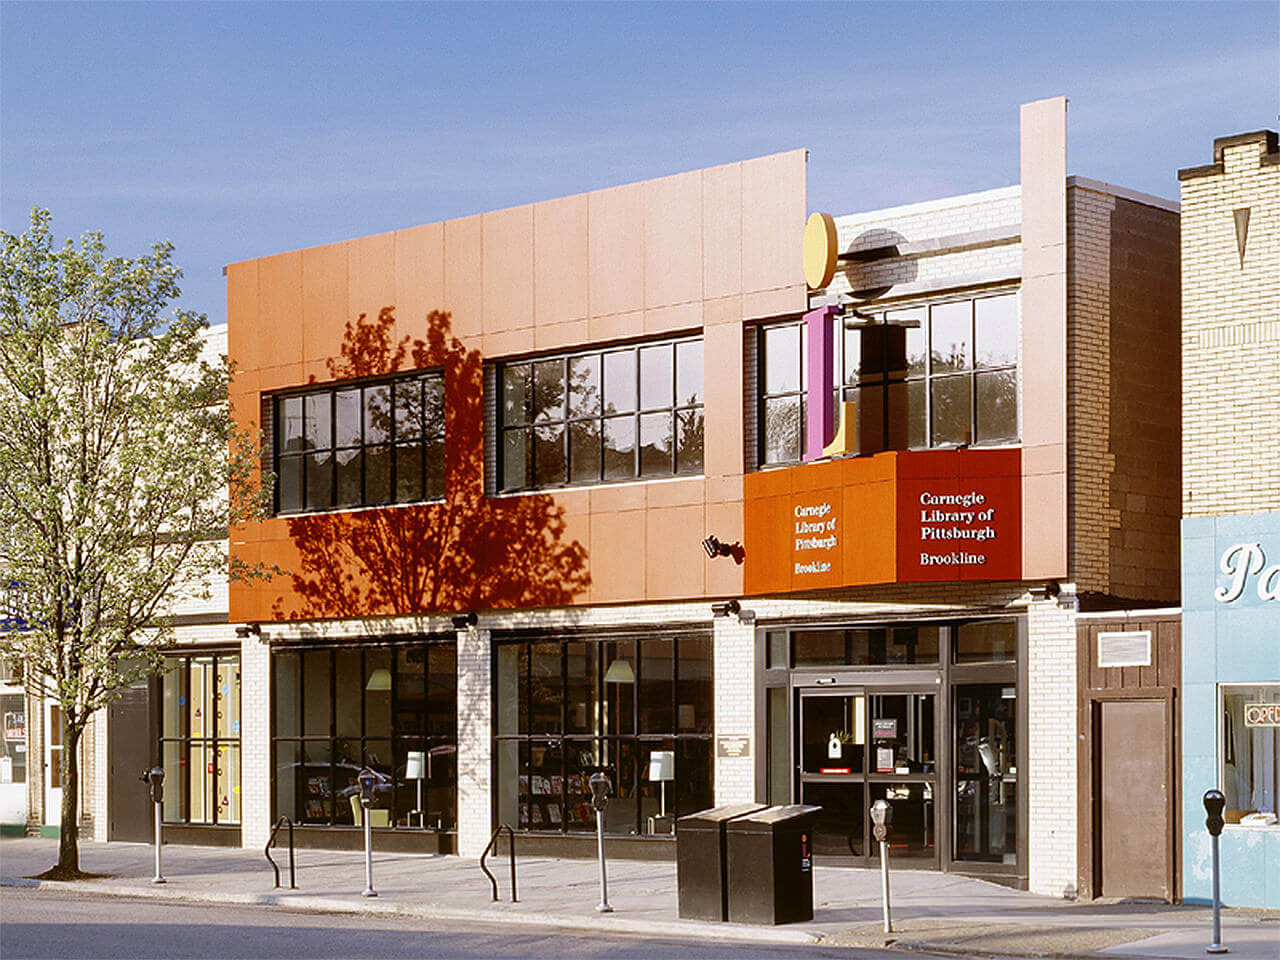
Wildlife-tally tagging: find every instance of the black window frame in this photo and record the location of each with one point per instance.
(921, 380)
(429, 437)
(179, 787)
(399, 734)
(636, 736)
(518, 431)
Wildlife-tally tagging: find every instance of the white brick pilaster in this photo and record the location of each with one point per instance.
(256, 775)
(97, 793)
(1051, 748)
(475, 739)
(734, 644)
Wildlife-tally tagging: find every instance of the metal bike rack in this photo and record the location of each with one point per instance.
(511, 840)
(271, 840)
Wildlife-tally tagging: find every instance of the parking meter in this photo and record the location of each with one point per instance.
(882, 819)
(599, 784)
(1214, 803)
(367, 779)
(155, 780)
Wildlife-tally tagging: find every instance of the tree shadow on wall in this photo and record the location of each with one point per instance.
(465, 551)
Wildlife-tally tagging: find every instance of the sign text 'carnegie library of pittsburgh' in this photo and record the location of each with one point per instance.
(939, 523)
(815, 530)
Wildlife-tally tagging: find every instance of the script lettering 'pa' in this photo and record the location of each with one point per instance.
(1242, 561)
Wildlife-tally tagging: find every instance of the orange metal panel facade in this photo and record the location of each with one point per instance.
(613, 265)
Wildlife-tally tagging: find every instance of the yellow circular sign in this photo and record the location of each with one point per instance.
(819, 250)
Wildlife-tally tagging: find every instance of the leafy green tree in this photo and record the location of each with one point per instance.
(120, 474)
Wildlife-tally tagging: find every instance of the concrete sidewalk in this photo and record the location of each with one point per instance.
(932, 911)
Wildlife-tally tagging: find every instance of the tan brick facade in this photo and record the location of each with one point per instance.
(1122, 359)
(1230, 337)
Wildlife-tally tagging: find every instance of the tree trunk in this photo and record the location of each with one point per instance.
(69, 841)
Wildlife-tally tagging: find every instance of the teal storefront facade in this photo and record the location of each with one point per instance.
(1231, 704)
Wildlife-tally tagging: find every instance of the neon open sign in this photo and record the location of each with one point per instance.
(1262, 714)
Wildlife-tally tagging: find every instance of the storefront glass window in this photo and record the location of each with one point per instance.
(862, 647)
(983, 641)
(986, 774)
(365, 707)
(13, 748)
(629, 708)
(1249, 751)
(200, 738)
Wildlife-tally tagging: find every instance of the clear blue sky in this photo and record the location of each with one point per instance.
(241, 129)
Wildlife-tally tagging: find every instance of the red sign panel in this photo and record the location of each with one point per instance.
(960, 516)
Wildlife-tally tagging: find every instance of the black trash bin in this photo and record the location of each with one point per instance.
(769, 860)
(700, 860)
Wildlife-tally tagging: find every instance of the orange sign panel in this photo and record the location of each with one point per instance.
(892, 517)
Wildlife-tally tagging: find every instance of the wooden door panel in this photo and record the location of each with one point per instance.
(1133, 782)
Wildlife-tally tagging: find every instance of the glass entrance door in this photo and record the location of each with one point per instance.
(859, 745)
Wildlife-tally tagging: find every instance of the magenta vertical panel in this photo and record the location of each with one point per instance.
(821, 427)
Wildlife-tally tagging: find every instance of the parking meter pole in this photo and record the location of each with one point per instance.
(882, 818)
(603, 905)
(159, 877)
(366, 780)
(1216, 946)
(599, 784)
(1214, 803)
(368, 857)
(154, 779)
(884, 884)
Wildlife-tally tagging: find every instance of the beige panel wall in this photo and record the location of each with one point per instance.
(1044, 336)
(1231, 332)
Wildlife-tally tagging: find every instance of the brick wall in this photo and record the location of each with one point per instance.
(1231, 332)
(1122, 410)
(1051, 748)
(976, 260)
(475, 741)
(256, 775)
(734, 651)
(95, 797)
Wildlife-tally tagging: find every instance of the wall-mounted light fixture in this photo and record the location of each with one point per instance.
(1049, 590)
(715, 548)
(246, 630)
(727, 609)
(380, 679)
(464, 620)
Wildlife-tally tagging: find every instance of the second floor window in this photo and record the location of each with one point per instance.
(601, 416)
(360, 445)
(934, 375)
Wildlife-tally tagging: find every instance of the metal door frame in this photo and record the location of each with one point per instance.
(860, 684)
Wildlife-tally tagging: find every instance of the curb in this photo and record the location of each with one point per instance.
(604, 923)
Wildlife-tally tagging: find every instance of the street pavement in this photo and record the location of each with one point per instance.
(931, 911)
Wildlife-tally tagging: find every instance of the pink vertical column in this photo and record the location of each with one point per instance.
(1044, 338)
(821, 428)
